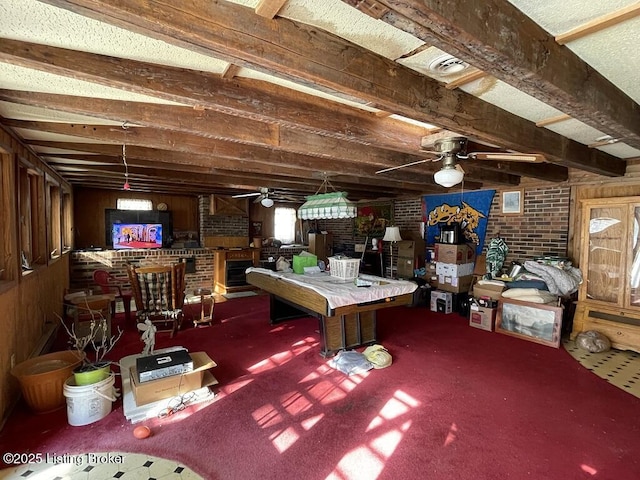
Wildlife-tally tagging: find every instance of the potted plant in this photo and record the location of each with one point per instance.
(93, 368)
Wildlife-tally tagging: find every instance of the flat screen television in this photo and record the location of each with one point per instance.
(136, 235)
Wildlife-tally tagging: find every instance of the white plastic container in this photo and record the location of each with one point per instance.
(89, 403)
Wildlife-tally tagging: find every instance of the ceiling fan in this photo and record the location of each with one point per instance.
(452, 149)
(265, 196)
(262, 197)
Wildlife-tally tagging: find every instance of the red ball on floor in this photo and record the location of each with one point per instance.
(141, 432)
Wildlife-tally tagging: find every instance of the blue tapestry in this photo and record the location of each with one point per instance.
(469, 209)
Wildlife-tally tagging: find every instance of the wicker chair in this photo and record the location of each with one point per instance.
(159, 293)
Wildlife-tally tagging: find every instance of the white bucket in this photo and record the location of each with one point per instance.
(89, 403)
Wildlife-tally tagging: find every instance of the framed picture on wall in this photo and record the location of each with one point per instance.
(255, 229)
(512, 202)
(373, 218)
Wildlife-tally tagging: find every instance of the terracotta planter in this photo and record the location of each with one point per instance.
(42, 379)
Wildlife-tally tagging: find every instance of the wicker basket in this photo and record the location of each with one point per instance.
(344, 268)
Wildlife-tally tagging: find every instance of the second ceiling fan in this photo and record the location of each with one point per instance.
(264, 196)
(452, 149)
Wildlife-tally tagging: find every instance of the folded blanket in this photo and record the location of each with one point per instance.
(532, 295)
(559, 281)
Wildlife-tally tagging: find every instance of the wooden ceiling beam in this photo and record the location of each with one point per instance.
(501, 40)
(223, 176)
(164, 146)
(207, 124)
(242, 97)
(210, 124)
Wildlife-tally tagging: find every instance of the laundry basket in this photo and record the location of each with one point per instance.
(344, 268)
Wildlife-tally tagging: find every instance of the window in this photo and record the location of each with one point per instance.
(32, 214)
(7, 218)
(285, 224)
(133, 204)
(67, 222)
(54, 221)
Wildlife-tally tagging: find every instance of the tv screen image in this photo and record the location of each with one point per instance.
(137, 235)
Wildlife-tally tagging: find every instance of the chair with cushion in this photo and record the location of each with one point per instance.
(159, 293)
(115, 286)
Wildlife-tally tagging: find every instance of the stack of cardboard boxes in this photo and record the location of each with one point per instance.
(454, 265)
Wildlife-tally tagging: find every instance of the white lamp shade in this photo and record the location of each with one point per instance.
(266, 202)
(448, 177)
(392, 234)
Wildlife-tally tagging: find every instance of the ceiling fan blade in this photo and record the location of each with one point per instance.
(508, 157)
(408, 165)
(242, 195)
(259, 199)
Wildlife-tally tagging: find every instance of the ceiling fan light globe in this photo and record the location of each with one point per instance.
(448, 177)
(266, 202)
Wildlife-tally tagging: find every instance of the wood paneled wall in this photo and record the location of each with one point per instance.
(90, 205)
(31, 300)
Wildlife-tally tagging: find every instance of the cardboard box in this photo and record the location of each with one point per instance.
(458, 254)
(441, 302)
(483, 318)
(167, 387)
(455, 284)
(405, 268)
(162, 365)
(454, 269)
(494, 292)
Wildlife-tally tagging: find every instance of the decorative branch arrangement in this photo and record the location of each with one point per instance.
(97, 328)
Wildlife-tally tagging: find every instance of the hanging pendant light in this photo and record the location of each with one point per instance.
(327, 205)
(126, 185)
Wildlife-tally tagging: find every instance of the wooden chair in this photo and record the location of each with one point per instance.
(112, 285)
(159, 293)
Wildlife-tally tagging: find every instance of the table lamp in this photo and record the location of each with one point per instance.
(392, 234)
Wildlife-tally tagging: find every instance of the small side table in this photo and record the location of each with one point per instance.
(206, 307)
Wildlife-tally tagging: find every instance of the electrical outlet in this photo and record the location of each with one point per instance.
(13, 360)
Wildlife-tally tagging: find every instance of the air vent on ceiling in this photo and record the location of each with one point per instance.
(447, 65)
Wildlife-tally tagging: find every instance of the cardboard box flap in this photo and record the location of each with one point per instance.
(208, 379)
(201, 361)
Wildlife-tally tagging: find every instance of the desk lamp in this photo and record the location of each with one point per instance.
(392, 234)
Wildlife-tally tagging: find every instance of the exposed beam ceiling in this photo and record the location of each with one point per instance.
(283, 103)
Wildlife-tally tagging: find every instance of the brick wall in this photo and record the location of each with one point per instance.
(220, 225)
(83, 263)
(541, 230)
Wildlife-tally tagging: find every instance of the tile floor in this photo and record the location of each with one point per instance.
(619, 367)
(102, 466)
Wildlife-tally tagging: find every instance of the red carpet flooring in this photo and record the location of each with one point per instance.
(457, 403)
